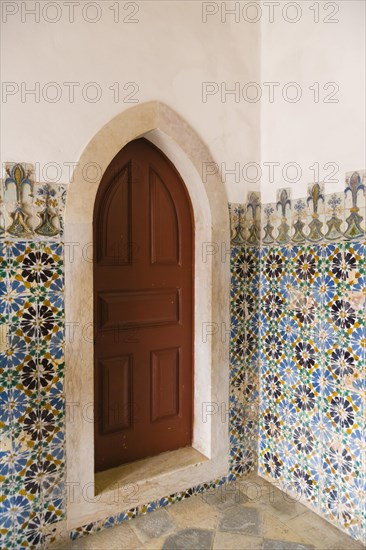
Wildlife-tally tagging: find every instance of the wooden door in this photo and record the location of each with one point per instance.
(143, 308)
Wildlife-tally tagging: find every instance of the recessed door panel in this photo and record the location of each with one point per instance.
(137, 308)
(117, 393)
(114, 221)
(164, 383)
(164, 223)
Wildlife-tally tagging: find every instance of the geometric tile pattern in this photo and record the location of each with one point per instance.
(313, 351)
(31, 390)
(244, 358)
(312, 407)
(32, 401)
(297, 355)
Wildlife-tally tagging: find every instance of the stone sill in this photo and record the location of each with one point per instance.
(144, 471)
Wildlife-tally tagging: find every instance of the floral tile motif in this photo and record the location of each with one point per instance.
(317, 218)
(30, 210)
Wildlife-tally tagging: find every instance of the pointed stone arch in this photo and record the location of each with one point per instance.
(170, 133)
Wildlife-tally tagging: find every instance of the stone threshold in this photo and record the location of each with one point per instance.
(144, 471)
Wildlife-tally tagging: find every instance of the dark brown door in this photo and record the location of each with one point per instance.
(143, 308)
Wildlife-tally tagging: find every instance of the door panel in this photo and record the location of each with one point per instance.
(136, 308)
(114, 219)
(117, 393)
(143, 308)
(165, 246)
(165, 367)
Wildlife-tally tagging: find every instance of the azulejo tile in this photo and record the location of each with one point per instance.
(272, 424)
(237, 345)
(305, 354)
(288, 300)
(273, 305)
(273, 347)
(274, 266)
(342, 412)
(305, 266)
(359, 249)
(242, 461)
(41, 424)
(238, 266)
(270, 464)
(251, 303)
(303, 397)
(343, 363)
(57, 284)
(339, 462)
(325, 382)
(341, 314)
(324, 289)
(304, 483)
(237, 306)
(288, 328)
(37, 527)
(272, 386)
(288, 373)
(17, 251)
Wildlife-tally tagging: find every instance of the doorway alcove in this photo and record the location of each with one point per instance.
(172, 135)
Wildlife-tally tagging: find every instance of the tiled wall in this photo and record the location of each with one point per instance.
(244, 342)
(297, 353)
(31, 359)
(32, 401)
(313, 351)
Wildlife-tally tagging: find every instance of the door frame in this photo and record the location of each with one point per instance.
(172, 135)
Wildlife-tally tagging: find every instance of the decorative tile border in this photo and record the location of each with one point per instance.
(316, 218)
(30, 210)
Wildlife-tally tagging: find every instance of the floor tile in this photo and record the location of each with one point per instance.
(153, 525)
(120, 537)
(322, 534)
(194, 512)
(269, 544)
(249, 514)
(241, 520)
(230, 541)
(154, 544)
(281, 505)
(275, 529)
(199, 539)
(255, 488)
(225, 497)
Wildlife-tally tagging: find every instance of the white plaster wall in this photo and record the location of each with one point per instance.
(307, 132)
(168, 53)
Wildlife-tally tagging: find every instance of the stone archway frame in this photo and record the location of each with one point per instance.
(163, 127)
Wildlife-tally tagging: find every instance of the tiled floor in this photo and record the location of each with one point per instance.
(249, 515)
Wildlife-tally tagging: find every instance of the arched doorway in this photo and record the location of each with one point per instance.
(161, 126)
(143, 236)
